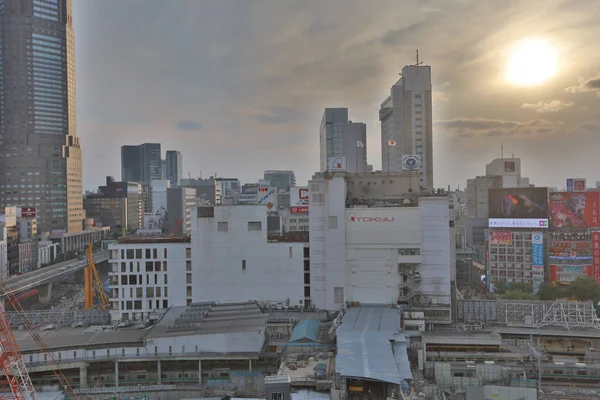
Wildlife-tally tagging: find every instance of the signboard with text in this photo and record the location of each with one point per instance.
(500, 238)
(299, 210)
(596, 255)
(298, 196)
(28, 212)
(537, 259)
(336, 164)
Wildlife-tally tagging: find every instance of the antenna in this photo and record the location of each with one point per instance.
(418, 63)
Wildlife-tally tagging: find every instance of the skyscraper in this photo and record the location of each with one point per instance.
(406, 123)
(342, 138)
(141, 163)
(40, 162)
(280, 178)
(174, 166)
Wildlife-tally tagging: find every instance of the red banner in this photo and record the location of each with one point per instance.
(299, 210)
(596, 255)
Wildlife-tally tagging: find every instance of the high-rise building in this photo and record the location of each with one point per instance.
(174, 166)
(280, 178)
(141, 163)
(406, 123)
(41, 163)
(342, 138)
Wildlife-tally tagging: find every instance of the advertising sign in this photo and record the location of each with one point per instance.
(537, 259)
(518, 203)
(337, 164)
(579, 185)
(500, 238)
(28, 212)
(574, 210)
(569, 184)
(518, 223)
(411, 163)
(267, 196)
(298, 196)
(568, 273)
(299, 210)
(509, 166)
(596, 255)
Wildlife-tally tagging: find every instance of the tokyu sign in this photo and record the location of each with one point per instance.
(352, 217)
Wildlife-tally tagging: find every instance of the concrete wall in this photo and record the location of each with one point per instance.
(272, 272)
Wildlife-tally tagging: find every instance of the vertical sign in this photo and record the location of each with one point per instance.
(569, 185)
(596, 255)
(537, 259)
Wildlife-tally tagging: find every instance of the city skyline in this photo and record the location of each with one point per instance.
(205, 104)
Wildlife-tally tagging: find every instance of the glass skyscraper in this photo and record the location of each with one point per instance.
(40, 156)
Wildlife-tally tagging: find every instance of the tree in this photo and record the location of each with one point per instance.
(500, 286)
(584, 288)
(517, 295)
(521, 287)
(548, 292)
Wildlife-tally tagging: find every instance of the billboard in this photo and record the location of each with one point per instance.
(411, 163)
(298, 196)
(518, 203)
(596, 255)
(537, 259)
(568, 273)
(299, 210)
(509, 166)
(574, 210)
(518, 223)
(500, 238)
(28, 212)
(267, 195)
(336, 164)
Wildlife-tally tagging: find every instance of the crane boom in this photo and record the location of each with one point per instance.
(12, 362)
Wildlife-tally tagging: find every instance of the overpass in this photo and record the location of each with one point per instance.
(18, 284)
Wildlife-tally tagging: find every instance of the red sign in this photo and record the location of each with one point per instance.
(299, 210)
(500, 238)
(28, 212)
(303, 194)
(579, 185)
(568, 273)
(574, 210)
(596, 255)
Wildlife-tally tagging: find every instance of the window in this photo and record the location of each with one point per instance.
(149, 292)
(222, 226)
(188, 253)
(188, 292)
(138, 253)
(409, 252)
(130, 254)
(164, 266)
(318, 198)
(243, 265)
(148, 254)
(155, 253)
(188, 278)
(333, 222)
(338, 295)
(289, 252)
(255, 226)
(158, 293)
(188, 265)
(165, 252)
(277, 396)
(149, 266)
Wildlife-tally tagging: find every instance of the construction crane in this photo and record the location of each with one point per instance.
(12, 360)
(176, 228)
(91, 279)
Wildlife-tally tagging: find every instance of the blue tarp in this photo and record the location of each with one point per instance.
(306, 331)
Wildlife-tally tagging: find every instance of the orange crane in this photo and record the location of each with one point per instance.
(92, 278)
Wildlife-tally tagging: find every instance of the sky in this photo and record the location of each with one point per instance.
(239, 86)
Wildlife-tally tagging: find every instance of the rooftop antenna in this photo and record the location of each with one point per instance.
(418, 63)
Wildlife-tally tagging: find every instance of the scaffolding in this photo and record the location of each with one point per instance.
(520, 313)
(570, 315)
(61, 318)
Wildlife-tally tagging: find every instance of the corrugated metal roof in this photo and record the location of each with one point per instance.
(401, 357)
(367, 355)
(306, 330)
(370, 319)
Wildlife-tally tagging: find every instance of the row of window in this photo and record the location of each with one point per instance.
(253, 226)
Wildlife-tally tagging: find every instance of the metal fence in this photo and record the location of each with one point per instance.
(61, 318)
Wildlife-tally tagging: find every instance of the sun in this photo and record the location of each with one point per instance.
(532, 62)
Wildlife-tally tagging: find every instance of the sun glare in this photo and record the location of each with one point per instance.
(532, 62)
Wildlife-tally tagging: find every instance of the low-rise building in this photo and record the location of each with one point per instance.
(76, 241)
(47, 252)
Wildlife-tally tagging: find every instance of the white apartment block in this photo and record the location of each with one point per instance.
(500, 173)
(150, 274)
(382, 250)
(235, 259)
(406, 119)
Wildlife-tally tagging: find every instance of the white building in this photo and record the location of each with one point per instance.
(47, 252)
(342, 138)
(500, 173)
(236, 260)
(159, 195)
(406, 119)
(150, 274)
(381, 252)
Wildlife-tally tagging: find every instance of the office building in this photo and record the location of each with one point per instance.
(180, 202)
(380, 250)
(227, 191)
(500, 173)
(205, 188)
(141, 163)
(280, 178)
(406, 124)
(174, 167)
(118, 205)
(340, 137)
(41, 163)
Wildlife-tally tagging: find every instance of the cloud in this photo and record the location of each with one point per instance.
(278, 115)
(548, 106)
(480, 127)
(590, 85)
(439, 96)
(188, 125)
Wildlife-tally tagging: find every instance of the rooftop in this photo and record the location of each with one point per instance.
(306, 331)
(370, 319)
(153, 238)
(452, 337)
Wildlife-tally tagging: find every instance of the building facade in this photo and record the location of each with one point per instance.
(380, 251)
(235, 259)
(180, 203)
(406, 123)
(280, 178)
(173, 166)
(38, 136)
(340, 137)
(205, 188)
(141, 163)
(227, 191)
